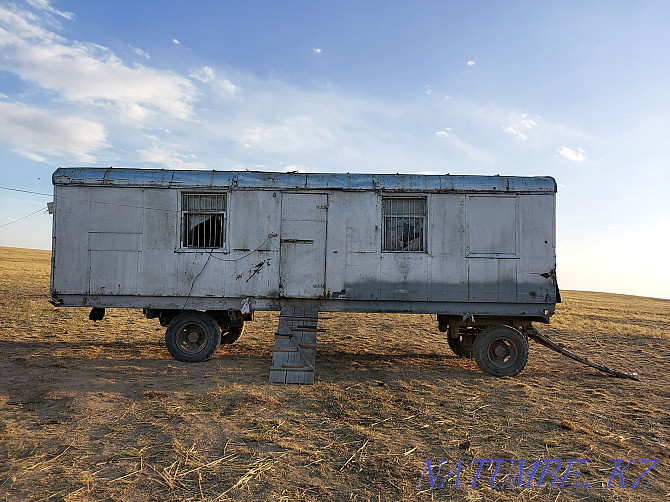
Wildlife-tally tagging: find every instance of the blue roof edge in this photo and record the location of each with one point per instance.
(164, 178)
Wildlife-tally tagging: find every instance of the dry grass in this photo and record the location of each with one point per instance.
(100, 412)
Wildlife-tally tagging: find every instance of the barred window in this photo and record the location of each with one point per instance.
(203, 220)
(404, 224)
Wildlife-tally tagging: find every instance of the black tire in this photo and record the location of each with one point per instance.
(232, 334)
(192, 337)
(462, 346)
(501, 351)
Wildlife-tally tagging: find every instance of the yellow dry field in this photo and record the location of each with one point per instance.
(99, 411)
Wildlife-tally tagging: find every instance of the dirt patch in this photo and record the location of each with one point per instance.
(98, 411)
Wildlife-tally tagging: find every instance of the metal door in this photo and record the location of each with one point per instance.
(302, 268)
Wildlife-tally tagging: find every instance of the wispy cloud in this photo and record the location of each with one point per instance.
(577, 155)
(512, 130)
(88, 73)
(141, 53)
(295, 135)
(175, 41)
(46, 6)
(527, 122)
(470, 63)
(255, 121)
(37, 133)
(316, 50)
(170, 158)
(521, 126)
(207, 75)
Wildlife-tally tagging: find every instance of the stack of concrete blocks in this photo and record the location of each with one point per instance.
(295, 346)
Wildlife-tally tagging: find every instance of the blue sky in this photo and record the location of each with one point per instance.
(576, 90)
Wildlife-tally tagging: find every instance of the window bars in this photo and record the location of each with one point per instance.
(404, 224)
(203, 220)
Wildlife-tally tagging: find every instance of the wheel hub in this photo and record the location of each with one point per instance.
(193, 336)
(501, 351)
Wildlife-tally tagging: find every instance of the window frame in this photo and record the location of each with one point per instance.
(424, 217)
(183, 213)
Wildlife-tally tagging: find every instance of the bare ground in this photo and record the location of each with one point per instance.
(100, 412)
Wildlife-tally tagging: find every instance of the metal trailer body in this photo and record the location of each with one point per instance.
(466, 248)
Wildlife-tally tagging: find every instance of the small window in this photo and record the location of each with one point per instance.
(404, 224)
(203, 220)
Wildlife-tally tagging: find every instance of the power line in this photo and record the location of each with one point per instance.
(93, 201)
(136, 207)
(25, 191)
(23, 217)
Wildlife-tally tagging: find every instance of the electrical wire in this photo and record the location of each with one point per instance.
(94, 201)
(23, 217)
(25, 191)
(209, 252)
(270, 236)
(195, 279)
(128, 205)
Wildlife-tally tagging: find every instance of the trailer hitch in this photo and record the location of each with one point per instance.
(533, 333)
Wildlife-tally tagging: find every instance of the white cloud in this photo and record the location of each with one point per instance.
(443, 134)
(207, 75)
(46, 6)
(175, 41)
(572, 155)
(316, 50)
(516, 133)
(524, 122)
(36, 133)
(527, 122)
(470, 63)
(87, 73)
(295, 135)
(141, 53)
(169, 158)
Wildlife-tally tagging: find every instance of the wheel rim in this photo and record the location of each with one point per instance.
(503, 353)
(191, 338)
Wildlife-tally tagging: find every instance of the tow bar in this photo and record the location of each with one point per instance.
(543, 340)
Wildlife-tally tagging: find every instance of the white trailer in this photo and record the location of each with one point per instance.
(201, 250)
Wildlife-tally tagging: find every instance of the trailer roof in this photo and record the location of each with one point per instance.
(164, 178)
